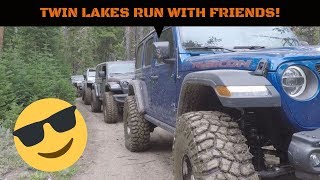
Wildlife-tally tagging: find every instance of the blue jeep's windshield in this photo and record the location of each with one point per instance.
(121, 68)
(233, 37)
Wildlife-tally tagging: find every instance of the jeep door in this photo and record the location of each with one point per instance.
(163, 82)
(147, 67)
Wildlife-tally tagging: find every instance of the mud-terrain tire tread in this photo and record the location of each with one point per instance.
(95, 102)
(87, 96)
(82, 94)
(139, 137)
(215, 145)
(110, 109)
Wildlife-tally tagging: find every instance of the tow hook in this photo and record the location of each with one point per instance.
(276, 171)
(304, 154)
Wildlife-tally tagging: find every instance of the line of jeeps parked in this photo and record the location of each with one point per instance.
(108, 88)
(227, 94)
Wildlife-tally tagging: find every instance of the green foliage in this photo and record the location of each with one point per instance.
(32, 66)
(9, 110)
(37, 62)
(10, 116)
(88, 46)
(309, 34)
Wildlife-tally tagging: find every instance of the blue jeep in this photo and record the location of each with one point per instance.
(230, 95)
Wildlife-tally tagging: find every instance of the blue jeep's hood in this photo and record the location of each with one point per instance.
(303, 115)
(249, 59)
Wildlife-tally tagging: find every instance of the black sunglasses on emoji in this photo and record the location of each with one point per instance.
(61, 121)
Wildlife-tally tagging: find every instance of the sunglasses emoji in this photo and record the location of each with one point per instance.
(54, 142)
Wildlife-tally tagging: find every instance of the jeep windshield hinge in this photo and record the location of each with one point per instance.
(262, 68)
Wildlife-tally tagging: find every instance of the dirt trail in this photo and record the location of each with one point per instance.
(106, 157)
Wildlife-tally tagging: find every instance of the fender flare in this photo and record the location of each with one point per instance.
(138, 88)
(225, 77)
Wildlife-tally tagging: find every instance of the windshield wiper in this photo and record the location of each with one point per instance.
(209, 47)
(249, 47)
(115, 73)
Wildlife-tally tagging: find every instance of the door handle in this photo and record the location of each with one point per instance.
(154, 77)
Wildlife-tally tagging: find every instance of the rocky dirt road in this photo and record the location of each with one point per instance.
(106, 157)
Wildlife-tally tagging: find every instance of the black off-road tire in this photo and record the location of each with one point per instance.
(78, 92)
(136, 128)
(95, 102)
(87, 96)
(120, 112)
(110, 109)
(212, 147)
(83, 94)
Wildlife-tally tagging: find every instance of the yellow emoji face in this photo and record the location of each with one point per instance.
(50, 134)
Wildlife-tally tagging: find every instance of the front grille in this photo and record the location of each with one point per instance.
(318, 67)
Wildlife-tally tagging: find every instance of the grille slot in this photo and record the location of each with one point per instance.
(318, 68)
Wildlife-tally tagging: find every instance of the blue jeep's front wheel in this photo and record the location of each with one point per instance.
(209, 145)
(136, 128)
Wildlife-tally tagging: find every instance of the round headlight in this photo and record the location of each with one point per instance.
(294, 81)
(125, 84)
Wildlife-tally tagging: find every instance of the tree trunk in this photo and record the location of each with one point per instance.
(140, 32)
(1, 37)
(128, 42)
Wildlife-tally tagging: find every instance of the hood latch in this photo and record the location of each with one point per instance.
(262, 68)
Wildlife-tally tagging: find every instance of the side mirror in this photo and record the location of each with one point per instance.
(304, 43)
(102, 74)
(85, 76)
(161, 51)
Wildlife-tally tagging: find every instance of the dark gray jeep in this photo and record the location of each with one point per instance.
(88, 75)
(111, 88)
